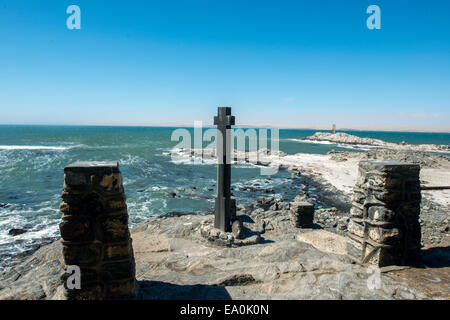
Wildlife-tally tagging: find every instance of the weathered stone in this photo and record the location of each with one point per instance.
(356, 212)
(114, 228)
(380, 213)
(16, 231)
(117, 251)
(185, 266)
(237, 228)
(95, 232)
(302, 214)
(77, 228)
(384, 227)
(82, 254)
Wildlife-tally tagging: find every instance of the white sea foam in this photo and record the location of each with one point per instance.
(17, 147)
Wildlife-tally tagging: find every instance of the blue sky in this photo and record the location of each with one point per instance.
(287, 63)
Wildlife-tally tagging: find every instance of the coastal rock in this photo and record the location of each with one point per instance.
(345, 138)
(173, 261)
(265, 202)
(37, 277)
(15, 232)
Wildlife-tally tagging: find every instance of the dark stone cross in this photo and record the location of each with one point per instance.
(224, 204)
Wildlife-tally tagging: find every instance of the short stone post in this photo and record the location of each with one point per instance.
(94, 231)
(384, 224)
(302, 214)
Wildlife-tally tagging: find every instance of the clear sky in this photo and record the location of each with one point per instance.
(287, 63)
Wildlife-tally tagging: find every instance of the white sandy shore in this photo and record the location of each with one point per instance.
(342, 174)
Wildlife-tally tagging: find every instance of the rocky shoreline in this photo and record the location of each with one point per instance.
(348, 139)
(174, 260)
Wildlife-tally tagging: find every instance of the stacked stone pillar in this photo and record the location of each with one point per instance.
(384, 224)
(302, 214)
(94, 231)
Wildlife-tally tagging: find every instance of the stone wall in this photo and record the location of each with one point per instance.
(384, 224)
(94, 231)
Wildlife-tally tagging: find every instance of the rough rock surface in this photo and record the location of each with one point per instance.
(425, 159)
(345, 138)
(173, 261)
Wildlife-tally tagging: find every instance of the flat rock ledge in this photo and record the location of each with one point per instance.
(175, 261)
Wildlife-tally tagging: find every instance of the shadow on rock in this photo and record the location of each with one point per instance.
(316, 226)
(436, 256)
(158, 290)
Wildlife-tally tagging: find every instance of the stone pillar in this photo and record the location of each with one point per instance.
(94, 231)
(302, 214)
(384, 224)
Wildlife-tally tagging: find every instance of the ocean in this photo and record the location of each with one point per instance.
(32, 159)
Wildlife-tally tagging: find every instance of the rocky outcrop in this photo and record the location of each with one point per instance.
(37, 277)
(345, 138)
(174, 261)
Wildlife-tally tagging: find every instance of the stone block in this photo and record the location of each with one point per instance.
(77, 228)
(82, 254)
(117, 270)
(384, 235)
(302, 214)
(117, 251)
(120, 290)
(114, 228)
(356, 228)
(380, 213)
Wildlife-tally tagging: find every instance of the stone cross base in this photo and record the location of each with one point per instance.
(302, 214)
(94, 231)
(226, 239)
(384, 224)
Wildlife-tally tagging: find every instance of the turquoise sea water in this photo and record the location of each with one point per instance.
(32, 159)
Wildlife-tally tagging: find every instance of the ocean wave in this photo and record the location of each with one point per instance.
(24, 147)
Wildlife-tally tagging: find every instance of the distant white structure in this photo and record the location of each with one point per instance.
(333, 129)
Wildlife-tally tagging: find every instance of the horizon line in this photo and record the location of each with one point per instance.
(261, 126)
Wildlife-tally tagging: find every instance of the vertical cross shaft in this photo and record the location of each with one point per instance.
(224, 120)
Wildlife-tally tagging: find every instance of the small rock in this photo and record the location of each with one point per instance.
(15, 232)
(237, 229)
